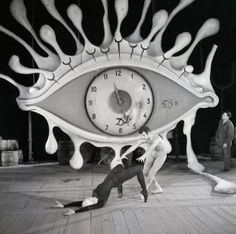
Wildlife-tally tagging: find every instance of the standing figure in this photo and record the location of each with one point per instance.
(224, 138)
(100, 195)
(155, 156)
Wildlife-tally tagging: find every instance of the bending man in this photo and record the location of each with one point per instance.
(100, 195)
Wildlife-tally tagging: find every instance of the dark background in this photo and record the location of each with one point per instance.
(14, 122)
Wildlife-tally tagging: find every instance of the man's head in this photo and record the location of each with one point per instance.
(145, 131)
(226, 115)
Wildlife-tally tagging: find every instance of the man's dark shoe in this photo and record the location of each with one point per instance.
(145, 195)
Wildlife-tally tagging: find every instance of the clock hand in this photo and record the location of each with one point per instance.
(118, 97)
(126, 117)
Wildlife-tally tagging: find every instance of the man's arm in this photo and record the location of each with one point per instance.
(155, 143)
(131, 149)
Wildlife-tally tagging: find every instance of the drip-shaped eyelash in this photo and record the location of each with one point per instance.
(53, 67)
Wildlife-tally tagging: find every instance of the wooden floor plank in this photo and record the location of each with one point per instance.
(19, 224)
(42, 223)
(79, 223)
(206, 219)
(96, 223)
(132, 222)
(193, 220)
(175, 214)
(108, 226)
(225, 215)
(216, 217)
(161, 227)
(230, 210)
(59, 224)
(169, 221)
(146, 220)
(5, 221)
(120, 222)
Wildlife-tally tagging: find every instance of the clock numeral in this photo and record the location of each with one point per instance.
(144, 86)
(134, 126)
(105, 76)
(120, 130)
(94, 89)
(94, 116)
(132, 76)
(145, 115)
(106, 127)
(148, 101)
(118, 72)
(90, 102)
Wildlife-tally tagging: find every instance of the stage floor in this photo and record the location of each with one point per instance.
(187, 205)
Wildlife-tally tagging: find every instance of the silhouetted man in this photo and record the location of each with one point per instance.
(224, 138)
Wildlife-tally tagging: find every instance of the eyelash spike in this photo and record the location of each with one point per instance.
(136, 37)
(107, 39)
(156, 43)
(203, 80)
(181, 41)
(50, 6)
(18, 11)
(121, 8)
(209, 28)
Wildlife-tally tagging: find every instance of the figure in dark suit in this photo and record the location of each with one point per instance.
(224, 138)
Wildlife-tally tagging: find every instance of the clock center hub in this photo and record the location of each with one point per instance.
(120, 101)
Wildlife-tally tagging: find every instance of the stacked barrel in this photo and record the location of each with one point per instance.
(10, 153)
(215, 150)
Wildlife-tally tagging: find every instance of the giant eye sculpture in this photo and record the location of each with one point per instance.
(104, 94)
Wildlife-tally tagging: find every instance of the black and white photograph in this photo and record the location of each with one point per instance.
(118, 116)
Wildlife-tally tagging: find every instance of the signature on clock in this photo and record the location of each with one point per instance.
(124, 120)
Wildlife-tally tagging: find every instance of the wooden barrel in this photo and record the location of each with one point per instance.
(215, 150)
(66, 150)
(20, 156)
(9, 158)
(9, 145)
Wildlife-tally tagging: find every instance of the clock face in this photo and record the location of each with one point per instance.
(119, 101)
